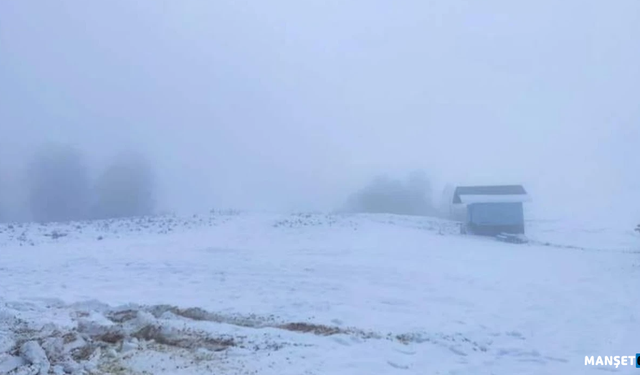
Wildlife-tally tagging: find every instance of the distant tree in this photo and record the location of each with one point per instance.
(2, 198)
(58, 184)
(381, 195)
(387, 195)
(125, 189)
(419, 194)
(2, 209)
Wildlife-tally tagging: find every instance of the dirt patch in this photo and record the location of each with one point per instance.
(198, 314)
(316, 329)
(83, 353)
(110, 337)
(122, 316)
(68, 338)
(183, 339)
(252, 321)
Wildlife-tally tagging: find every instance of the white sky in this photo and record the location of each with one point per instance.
(293, 104)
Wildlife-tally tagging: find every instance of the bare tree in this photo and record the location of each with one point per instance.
(58, 184)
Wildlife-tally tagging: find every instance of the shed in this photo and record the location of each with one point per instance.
(492, 210)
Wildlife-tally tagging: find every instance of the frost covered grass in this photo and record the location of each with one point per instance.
(239, 293)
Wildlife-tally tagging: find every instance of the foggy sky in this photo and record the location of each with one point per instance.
(287, 105)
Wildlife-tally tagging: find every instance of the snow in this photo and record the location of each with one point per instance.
(243, 293)
(478, 198)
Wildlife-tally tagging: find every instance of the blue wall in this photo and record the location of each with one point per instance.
(495, 214)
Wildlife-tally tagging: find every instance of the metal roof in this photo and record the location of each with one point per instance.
(495, 190)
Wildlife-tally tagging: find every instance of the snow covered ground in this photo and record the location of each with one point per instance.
(240, 293)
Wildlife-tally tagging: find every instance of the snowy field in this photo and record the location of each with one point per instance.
(238, 293)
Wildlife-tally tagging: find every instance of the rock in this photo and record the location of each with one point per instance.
(9, 363)
(94, 327)
(6, 343)
(128, 346)
(33, 353)
(92, 363)
(71, 367)
(53, 347)
(26, 370)
(142, 320)
(168, 315)
(111, 353)
(72, 342)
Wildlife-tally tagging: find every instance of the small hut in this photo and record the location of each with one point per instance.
(491, 210)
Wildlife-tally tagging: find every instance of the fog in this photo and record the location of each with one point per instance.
(294, 105)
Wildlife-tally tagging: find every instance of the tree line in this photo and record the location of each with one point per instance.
(383, 194)
(59, 187)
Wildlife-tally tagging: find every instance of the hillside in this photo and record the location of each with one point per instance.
(243, 293)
